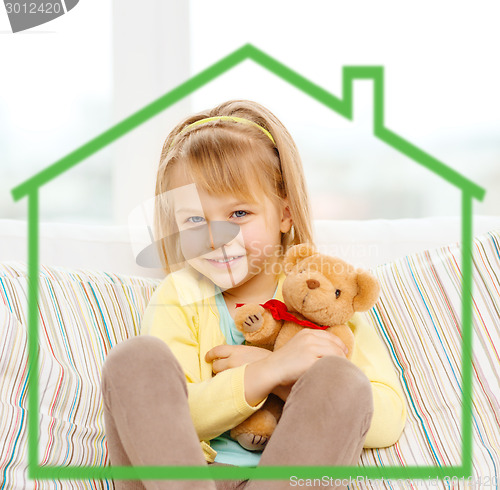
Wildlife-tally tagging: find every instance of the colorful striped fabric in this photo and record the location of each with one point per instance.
(83, 313)
(419, 318)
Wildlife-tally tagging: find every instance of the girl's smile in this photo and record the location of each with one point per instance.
(224, 263)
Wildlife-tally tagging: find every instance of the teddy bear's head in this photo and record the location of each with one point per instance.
(325, 289)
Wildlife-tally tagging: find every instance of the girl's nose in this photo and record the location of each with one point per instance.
(211, 237)
(200, 240)
(220, 233)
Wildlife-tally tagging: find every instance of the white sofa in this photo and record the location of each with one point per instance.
(367, 243)
(93, 294)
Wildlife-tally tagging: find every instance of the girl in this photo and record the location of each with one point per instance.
(230, 200)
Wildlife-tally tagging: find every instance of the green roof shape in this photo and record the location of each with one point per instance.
(342, 106)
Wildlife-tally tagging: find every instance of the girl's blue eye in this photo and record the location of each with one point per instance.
(198, 219)
(189, 219)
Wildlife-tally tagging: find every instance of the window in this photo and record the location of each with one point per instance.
(439, 95)
(55, 95)
(71, 79)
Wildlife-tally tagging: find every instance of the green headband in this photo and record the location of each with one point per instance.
(233, 118)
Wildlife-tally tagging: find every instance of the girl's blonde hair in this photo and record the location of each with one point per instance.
(225, 156)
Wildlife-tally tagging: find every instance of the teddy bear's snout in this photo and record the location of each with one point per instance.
(312, 283)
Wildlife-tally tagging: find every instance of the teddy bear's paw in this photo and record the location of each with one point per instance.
(254, 432)
(252, 322)
(248, 318)
(252, 442)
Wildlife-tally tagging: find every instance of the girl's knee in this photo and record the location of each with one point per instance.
(137, 366)
(143, 352)
(338, 379)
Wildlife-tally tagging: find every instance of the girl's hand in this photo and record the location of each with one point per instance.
(289, 362)
(229, 356)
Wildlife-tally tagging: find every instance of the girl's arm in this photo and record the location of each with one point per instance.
(283, 366)
(223, 401)
(216, 403)
(276, 371)
(282, 391)
(226, 356)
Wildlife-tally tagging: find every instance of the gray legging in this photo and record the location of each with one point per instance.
(146, 413)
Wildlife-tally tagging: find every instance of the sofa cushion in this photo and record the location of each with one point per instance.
(82, 314)
(419, 318)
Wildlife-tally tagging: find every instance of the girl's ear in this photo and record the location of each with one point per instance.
(286, 218)
(297, 253)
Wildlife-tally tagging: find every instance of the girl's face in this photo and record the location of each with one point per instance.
(247, 237)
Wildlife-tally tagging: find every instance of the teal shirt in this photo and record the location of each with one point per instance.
(228, 450)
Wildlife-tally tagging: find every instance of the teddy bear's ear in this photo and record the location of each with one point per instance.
(368, 291)
(297, 253)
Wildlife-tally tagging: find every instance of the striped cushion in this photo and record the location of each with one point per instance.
(418, 317)
(82, 314)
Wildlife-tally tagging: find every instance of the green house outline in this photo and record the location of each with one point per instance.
(342, 106)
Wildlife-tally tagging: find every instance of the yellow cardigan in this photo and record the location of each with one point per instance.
(183, 313)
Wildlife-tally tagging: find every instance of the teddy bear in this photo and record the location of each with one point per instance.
(319, 291)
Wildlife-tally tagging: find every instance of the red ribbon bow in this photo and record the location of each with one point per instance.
(279, 311)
